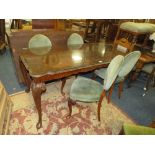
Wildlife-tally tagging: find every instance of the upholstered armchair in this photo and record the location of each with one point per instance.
(88, 90)
(129, 62)
(132, 129)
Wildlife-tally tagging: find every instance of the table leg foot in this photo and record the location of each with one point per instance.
(39, 125)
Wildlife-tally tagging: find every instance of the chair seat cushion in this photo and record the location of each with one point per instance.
(148, 68)
(101, 72)
(85, 90)
(138, 27)
(130, 129)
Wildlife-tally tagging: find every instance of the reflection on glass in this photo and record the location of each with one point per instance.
(40, 50)
(103, 51)
(77, 57)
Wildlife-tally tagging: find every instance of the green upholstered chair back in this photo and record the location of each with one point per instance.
(112, 71)
(75, 39)
(38, 41)
(129, 62)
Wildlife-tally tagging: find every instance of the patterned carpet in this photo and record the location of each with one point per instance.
(54, 108)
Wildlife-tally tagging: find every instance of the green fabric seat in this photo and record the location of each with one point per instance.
(138, 27)
(129, 62)
(102, 72)
(148, 68)
(131, 129)
(86, 90)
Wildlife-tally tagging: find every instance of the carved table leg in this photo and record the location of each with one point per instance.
(37, 90)
(62, 85)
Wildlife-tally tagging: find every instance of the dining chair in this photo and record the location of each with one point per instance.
(38, 41)
(74, 41)
(88, 90)
(149, 70)
(122, 45)
(129, 62)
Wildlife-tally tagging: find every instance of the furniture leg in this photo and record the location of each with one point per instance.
(110, 92)
(37, 89)
(70, 104)
(117, 35)
(62, 85)
(120, 88)
(99, 104)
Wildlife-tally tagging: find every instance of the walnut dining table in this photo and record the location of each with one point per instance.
(40, 65)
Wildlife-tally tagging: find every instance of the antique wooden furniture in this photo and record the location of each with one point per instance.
(129, 62)
(60, 62)
(132, 31)
(149, 69)
(145, 58)
(20, 39)
(122, 45)
(93, 31)
(89, 91)
(5, 110)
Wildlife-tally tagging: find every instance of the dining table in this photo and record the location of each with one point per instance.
(44, 64)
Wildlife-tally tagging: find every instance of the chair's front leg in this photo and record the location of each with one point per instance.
(110, 92)
(70, 104)
(99, 104)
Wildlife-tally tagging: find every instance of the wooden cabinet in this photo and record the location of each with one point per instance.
(5, 110)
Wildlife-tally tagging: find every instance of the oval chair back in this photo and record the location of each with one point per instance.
(39, 40)
(129, 62)
(112, 71)
(75, 39)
